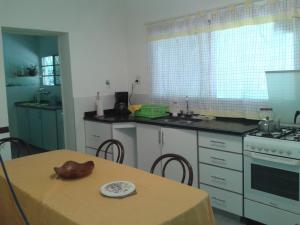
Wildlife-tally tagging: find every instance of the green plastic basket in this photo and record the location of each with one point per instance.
(152, 111)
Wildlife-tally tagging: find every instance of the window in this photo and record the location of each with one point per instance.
(176, 67)
(223, 71)
(50, 70)
(219, 58)
(240, 57)
(224, 64)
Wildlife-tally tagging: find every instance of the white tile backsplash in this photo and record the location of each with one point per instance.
(140, 99)
(86, 104)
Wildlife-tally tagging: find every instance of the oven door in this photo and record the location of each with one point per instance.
(272, 180)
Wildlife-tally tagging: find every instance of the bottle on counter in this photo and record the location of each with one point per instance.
(173, 107)
(99, 105)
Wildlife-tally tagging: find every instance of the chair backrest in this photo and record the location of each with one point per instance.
(21, 146)
(108, 145)
(181, 160)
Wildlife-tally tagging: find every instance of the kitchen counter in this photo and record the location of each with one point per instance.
(45, 106)
(220, 125)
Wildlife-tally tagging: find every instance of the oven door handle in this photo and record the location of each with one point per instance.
(275, 159)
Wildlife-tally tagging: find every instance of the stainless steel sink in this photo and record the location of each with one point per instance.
(186, 121)
(35, 104)
(177, 120)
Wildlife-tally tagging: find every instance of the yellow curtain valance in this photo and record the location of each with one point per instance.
(248, 13)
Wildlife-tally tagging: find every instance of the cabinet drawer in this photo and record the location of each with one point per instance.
(96, 133)
(224, 200)
(220, 141)
(269, 215)
(219, 158)
(222, 178)
(92, 151)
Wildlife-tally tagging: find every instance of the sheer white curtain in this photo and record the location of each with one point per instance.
(219, 58)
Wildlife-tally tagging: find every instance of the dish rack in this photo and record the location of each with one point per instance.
(152, 111)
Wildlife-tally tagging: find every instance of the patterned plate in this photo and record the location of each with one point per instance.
(117, 189)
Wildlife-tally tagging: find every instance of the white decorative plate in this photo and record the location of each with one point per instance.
(117, 189)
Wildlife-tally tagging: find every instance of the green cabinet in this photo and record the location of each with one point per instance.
(35, 127)
(23, 124)
(49, 129)
(41, 127)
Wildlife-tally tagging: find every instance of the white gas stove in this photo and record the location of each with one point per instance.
(272, 176)
(283, 143)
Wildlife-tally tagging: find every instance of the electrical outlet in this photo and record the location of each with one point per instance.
(137, 80)
(107, 82)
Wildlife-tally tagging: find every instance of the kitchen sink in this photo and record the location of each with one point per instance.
(177, 120)
(36, 104)
(42, 104)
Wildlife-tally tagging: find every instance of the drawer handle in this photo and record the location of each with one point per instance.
(218, 160)
(219, 202)
(96, 136)
(220, 144)
(218, 180)
(218, 199)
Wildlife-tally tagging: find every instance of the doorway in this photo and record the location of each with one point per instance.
(36, 71)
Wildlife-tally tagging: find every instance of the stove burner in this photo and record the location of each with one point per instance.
(292, 137)
(287, 133)
(267, 135)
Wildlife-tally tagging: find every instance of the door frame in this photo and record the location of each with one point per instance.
(66, 77)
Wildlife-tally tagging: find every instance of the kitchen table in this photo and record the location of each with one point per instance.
(50, 201)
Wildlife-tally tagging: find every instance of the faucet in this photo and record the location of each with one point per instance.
(39, 94)
(187, 113)
(187, 105)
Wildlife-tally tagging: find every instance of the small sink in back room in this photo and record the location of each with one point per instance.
(36, 104)
(42, 104)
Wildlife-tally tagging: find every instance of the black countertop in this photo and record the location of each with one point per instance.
(38, 106)
(220, 125)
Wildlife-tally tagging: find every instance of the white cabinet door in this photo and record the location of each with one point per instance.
(184, 143)
(148, 146)
(5, 150)
(96, 133)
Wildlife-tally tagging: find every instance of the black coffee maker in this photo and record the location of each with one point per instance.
(121, 104)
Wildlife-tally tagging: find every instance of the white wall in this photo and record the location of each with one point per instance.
(140, 12)
(96, 31)
(3, 108)
(100, 32)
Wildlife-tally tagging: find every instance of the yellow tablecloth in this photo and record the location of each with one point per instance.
(47, 200)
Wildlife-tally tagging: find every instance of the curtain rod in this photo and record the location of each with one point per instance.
(206, 11)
